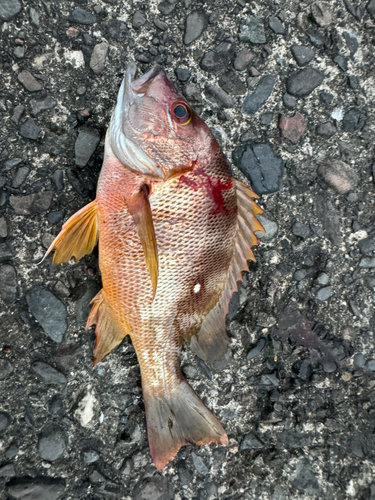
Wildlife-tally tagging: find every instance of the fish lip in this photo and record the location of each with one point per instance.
(136, 87)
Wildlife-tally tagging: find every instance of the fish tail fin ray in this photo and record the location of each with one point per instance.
(77, 237)
(109, 333)
(211, 341)
(176, 418)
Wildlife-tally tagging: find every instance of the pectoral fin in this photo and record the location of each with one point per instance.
(77, 237)
(140, 210)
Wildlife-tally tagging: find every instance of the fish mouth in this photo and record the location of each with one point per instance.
(137, 87)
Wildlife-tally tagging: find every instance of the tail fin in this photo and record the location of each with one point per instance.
(177, 418)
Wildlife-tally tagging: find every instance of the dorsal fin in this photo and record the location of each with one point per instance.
(211, 341)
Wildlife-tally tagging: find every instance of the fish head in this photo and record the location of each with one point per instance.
(153, 130)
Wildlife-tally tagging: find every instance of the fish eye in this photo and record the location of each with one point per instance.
(182, 113)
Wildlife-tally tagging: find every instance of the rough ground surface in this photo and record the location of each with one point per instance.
(288, 89)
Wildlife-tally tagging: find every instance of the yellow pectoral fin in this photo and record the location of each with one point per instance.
(140, 210)
(77, 237)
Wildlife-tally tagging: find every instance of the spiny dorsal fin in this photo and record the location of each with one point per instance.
(77, 237)
(140, 210)
(109, 333)
(211, 342)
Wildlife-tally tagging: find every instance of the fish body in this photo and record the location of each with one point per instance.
(175, 231)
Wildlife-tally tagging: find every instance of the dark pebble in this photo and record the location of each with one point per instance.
(251, 442)
(269, 379)
(17, 113)
(49, 312)
(86, 143)
(252, 31)
(81, 16)
(257, 98)
(199, 464)
(8, 470)
(20, 177)
(196, 24)
(354, 119)
(261, 166)
(289, 101)
(51, 445)
(29, 81)
(324, 293)
(90, 456)
(219, 58)
(14, 162)
(139, 19)
(5, 252)
(367, 263)
(58, 180)
(38, 106)
(359, 360)
(341, 62)
(232, 84)
(276, 25)
(156, 487)
(204, 369)
(56, 406)
(31, 203)
(300, 275)
(305, 370)
(255, 351)
(9, 9)
(301, 230)
(48, 374)
(166, 8)
(12, 451)
(328, 364)
(303, 55)
(219, 96)
(55, 217)
(161, 25)
(4, 420)
(8, 287)
(242, 59)
(266, 118)
(303, 479)
(353, 81)
(303, 82)
(371, 365)
(182, 74)
(36, 488)
(366, 246)
(326, 130)
(30, 130)
(326, 98)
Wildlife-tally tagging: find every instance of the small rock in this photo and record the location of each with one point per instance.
(219, 58)
(303, 82)
(266, 118)
(9, 9)
(38, 106)
(339, 175)
(5, 252)
(182, 74)
(303, 479)
(38, 203)
(8, 286)
(81, 16)
(322, 279)
(17, 113)
(190, 372)
(261, 166)
(56, 406)
(252, 31)
(371, 365)
(219, 96)
(257, 98)
(359, 360)
(366, 246)
(326, 130)
(58, 180)
(289, 101)
(255, 351)
(12, 451)
(98, 57)
(276, 25)
(293, 127)
(4, 420)
(139, 19)
(305, 370)
(7, 470)
(90, 456)
(300, 275)
(269, 379)
(19, 52)
(367, 263)
(270, 227)
(196, 24)
(52, 445)
(34, 16)
(86, 408)
(30, 130)
(161, 25)
(20, 177)
(351, 39)
(3, 229)
(29, 82)
(86, 143)
(301, 230)
(321, 13)
(354, 119)
(324, 293)
(14, 162)
(6, 366)
(48, 374)
(328, 364)
(36, 488)
(303, 55)
(200, 466)
(242, 59)
(251, 442)
(231, 83)
(341, 62)
(49, 312)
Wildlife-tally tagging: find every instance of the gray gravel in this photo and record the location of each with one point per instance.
(288, 89)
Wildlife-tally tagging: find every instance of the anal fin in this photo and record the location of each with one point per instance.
(109, 333)
(211, 342)
(77, 237)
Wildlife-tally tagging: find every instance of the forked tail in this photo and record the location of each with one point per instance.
(176, 418)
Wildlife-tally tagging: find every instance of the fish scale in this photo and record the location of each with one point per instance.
(175, 232)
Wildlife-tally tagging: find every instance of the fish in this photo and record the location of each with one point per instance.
(175, 231)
